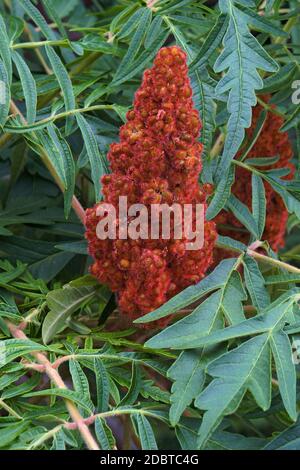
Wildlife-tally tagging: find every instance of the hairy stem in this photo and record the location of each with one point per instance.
(58, 381)
(264, 258)
(55, 117)
(273, 262)
(218, 146)
(31, 45)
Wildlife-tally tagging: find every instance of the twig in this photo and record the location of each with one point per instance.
(31, 45)
(54, 117)
(150, 4)
(273, 262)
(53, 375)
(10, 410)
(287, 28)
(61, 360)
(269, 108)
(264, 258)
(117, 412)
(218, 146)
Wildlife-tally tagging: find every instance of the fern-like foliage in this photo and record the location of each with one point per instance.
(74, 373)
(240, 60)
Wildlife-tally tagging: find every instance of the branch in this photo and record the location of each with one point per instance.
(273, 262)
(218, 146)
(54, 117)
(53, 375)
(150, 4)
(263, 258)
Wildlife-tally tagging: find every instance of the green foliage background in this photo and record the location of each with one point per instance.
(222, 376)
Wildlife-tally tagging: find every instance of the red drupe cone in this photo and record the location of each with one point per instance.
(156, 161)
(270, 143)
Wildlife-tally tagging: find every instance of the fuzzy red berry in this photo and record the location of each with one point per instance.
(158, 160)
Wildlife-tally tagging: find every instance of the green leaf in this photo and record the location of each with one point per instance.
(211, 282)
(221, 195)
(249, 367)
(255, 134)
(255, 283)
(61, 158)
(228, 242)
(286, 371)
(186, 433)
(66, 394)
(211, 43)
(262, 161)
(261, 23)
(188, 378)
(49, 266)
(4, 94)
(292, 121)
(180, 38)
(142, 61)
(203, 95)
(153, 32)
(10, 349)
(39, 20)
(28, 85)
(5, 52)
(79, 247)
(134, 389)
(64, 9)
(104, 435)
(187, 332)
(245, 367)
(240, 59)
(63, 80)
(121, 16)
(11, 432)
(174, 5)
(233, 296)
(13, 273)
(258, 204)
(61, 147)
(242, 213)
(145, 15)
(130, 25)
(97, 166)
(15, 28)
(102, 385)
(93, 42)
(289, 439)
(270, 4)
(145, 432)
(52, 12)
(80, 381)
(223, 440)
(282, 278)
(21, 389)
(58, 441)
(4, 232)
(271, 319)
(62, 304)
(280, 79)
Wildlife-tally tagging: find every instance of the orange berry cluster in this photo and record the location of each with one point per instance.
(158, 160)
